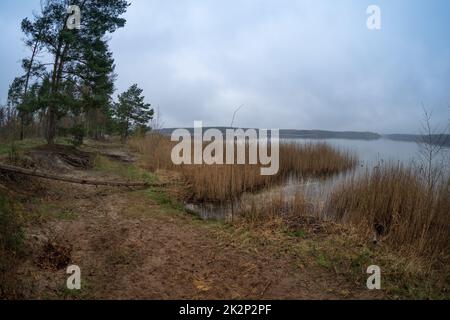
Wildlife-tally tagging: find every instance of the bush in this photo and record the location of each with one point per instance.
(78, 133)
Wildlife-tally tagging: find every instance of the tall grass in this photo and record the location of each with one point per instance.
(276, 209)
(216, 183)
(397, 206)
(314, 159)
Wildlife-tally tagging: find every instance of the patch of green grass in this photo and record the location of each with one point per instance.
(66, 215)
(125, 170)
(320, 256)
(323, 261)
(361, 260)
(297, 234)
(160, 197)
(163, 199)
(21, 146)
(67, 294)
(64, 141)
(43, 212)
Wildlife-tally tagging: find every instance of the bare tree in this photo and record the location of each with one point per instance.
(232, 197)
(433, 153)
(157, 123)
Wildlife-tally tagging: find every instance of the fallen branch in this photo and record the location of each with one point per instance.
(48, 176)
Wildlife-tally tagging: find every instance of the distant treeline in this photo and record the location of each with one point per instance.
(438, 139)
(300, 134)
(443, 139)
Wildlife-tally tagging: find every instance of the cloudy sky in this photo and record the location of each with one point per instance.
(301, 64)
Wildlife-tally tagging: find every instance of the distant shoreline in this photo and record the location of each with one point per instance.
(443, 139)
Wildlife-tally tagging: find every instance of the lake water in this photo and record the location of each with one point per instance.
(370, 154)
(374, 151)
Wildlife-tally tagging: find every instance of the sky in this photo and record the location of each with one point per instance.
(291, 64)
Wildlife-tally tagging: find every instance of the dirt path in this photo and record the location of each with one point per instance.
(130, 245)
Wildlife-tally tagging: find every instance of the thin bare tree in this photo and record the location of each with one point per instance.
(433, 153)
(232, 197)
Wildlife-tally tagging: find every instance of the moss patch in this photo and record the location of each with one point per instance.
(125, 170)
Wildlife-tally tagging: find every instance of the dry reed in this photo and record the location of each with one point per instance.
(216, 183)
(394, 204)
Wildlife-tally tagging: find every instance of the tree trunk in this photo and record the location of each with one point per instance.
(56, 79)
(49, 176)
(22, 120)
(51, 125)
(27, 82)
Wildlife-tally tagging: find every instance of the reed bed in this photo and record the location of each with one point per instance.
(395, 205)
(218, 183)
(314, 159)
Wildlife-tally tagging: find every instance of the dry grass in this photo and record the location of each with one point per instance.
(275, 209)
(394, 204)
(314, 159)
(155, 150)
(217, 183)
(413, 253)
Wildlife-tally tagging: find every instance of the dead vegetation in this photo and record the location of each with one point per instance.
(395, 206)
(55, 256)
(217, 183)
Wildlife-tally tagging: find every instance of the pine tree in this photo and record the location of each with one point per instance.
(71, 50)
(98, 77)
(132, 112)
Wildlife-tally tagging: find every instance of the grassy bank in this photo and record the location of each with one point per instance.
(389, 218)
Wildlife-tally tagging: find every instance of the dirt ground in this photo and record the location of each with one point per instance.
(129, 245)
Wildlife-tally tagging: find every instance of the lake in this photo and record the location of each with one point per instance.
(373, 151)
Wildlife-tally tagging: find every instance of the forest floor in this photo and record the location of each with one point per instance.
(142, 244)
